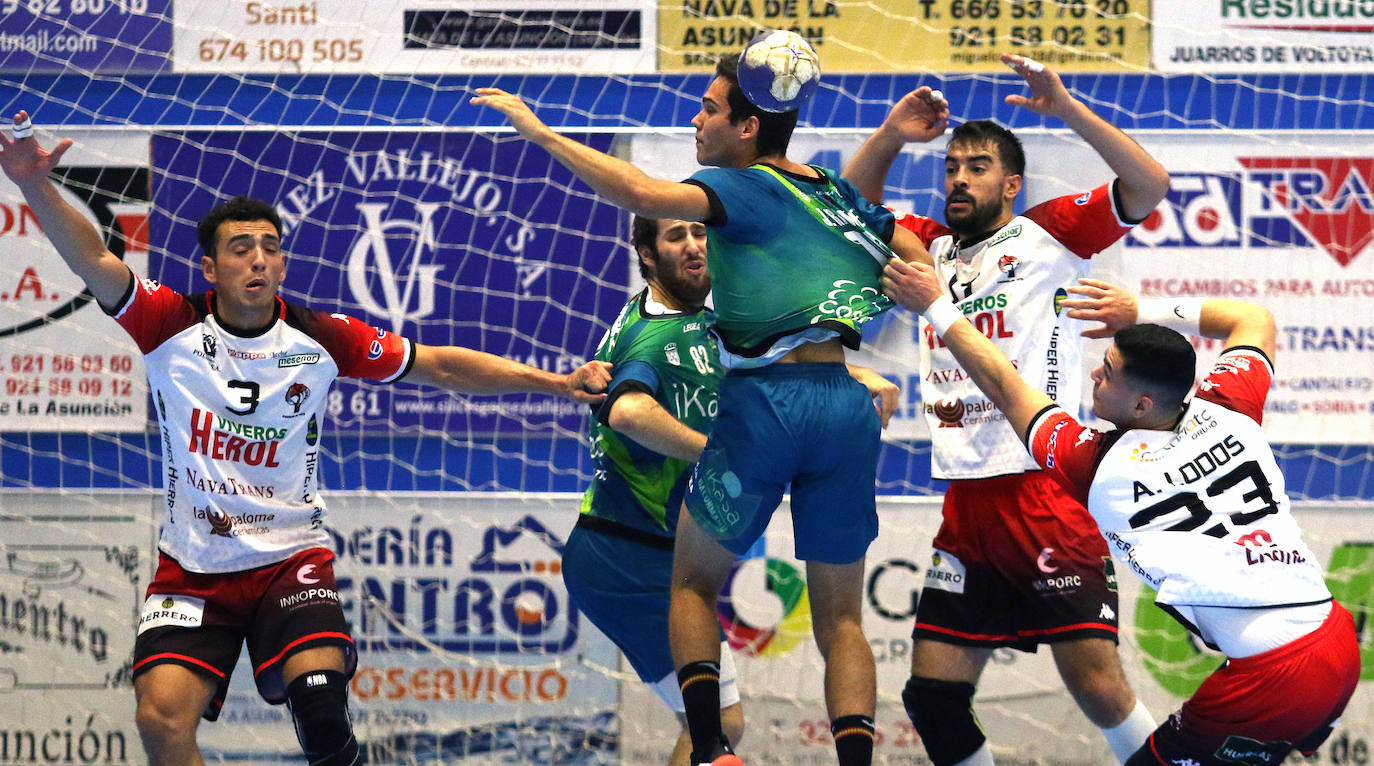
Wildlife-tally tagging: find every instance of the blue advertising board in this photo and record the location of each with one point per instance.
(466, 239)
(74, 36)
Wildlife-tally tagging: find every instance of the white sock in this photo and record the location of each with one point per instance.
(1126, 737)
(981, 757)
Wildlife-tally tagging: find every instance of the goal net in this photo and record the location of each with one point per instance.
(408, 208)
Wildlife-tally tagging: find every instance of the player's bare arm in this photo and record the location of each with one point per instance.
(916, 287)
(886, 394)
(909, 247)
(1240, 323)
(639, 416)
(614, 179)
(28, 164)
(1143, 182)
(920, 116)
(476, 372)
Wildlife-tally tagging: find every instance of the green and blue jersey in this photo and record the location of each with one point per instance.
(792, 260)
(672, 357)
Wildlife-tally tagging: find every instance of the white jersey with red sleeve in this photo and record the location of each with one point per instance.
(1198, 512)
(240, 418)
(1010, 284)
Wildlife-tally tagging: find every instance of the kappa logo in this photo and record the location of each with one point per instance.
(405, 282)
(1325, 202)
(1107, 613)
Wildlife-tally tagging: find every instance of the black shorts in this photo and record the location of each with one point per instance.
(200, 621)
(1017, 562)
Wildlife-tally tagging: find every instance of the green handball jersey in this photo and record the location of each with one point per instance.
(672, 357)
(792, 260)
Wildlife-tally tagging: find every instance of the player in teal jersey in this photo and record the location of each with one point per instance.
(618, 561)
(796, 258)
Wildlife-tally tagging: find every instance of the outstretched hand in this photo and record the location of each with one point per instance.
(23, 160)
(921, 115)
(517, 112)
(588, 383)
(1048, 94)
(1115, 307)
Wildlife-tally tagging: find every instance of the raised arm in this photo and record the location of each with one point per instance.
(639, 416)
(916, 287)
(1142, 181)
(28, 164)
(614, 179)
(1239, 323)
(921, 115)
(477, 372)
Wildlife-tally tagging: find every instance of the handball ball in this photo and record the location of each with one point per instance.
(779, 71)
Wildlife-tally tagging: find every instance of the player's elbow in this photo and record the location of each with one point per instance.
(622, 417)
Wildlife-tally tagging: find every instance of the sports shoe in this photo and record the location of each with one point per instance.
(728, 759)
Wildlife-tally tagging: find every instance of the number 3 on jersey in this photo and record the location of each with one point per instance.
(249, 399)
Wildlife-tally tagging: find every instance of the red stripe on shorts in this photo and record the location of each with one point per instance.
(303, 639)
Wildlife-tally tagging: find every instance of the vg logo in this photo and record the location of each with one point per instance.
(386, 270)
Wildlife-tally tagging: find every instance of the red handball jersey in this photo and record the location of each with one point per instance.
(1009, 284)
(1199, 512)
(240, 417)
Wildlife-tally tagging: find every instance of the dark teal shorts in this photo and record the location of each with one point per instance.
(810, 427)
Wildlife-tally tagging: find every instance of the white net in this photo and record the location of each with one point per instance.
(410, 209)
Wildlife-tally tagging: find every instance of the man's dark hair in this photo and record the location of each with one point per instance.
(1159, 358)
(237, 209)
(980, 132)
(775, 129)
(644, 233)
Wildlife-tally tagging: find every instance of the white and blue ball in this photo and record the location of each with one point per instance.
(779, 71)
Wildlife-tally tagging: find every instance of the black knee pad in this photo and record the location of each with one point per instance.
(319, 707)
(942, 712)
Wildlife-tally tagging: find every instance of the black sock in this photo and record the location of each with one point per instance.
(853, 739)
(700, 684)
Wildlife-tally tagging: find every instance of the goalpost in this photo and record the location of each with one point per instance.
(408, 208)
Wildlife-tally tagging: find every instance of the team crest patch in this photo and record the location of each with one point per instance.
(945, 573)
(162, 610)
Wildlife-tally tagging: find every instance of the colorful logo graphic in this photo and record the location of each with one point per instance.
(784, 582)
(1275, 202)
(296, 395)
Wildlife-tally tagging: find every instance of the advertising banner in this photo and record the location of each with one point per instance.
(428, 36)
(72, 574)
(465, 239)
(468, 650)
(1250, 36)
(62, 36)
(1027, 714)
(469, 653)
(1285, 221)
(64, 364)
(928, 36)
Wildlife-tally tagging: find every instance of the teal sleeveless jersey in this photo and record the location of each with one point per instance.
(789, 254)
(674, 358)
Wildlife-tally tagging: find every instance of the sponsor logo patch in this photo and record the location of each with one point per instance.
(161, 610)
(945, 573)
